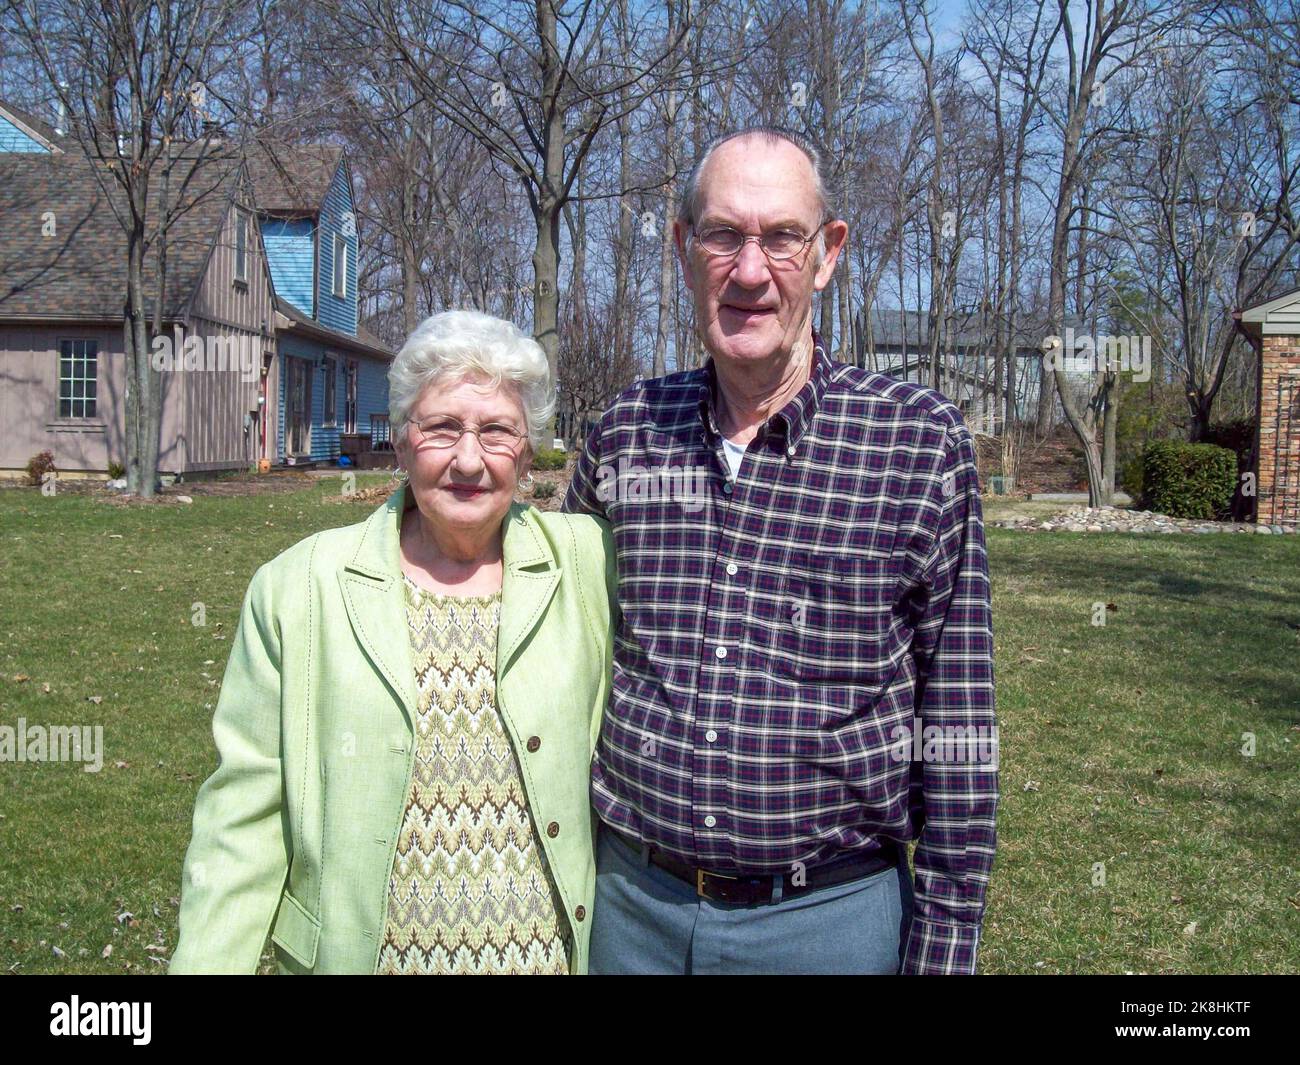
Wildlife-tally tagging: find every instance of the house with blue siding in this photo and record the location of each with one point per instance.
(331, 383)
(63, 266)
(266, 261)
(21, 131)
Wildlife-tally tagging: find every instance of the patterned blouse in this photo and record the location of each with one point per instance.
(470, 890)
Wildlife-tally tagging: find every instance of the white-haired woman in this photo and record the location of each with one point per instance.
(411, 704)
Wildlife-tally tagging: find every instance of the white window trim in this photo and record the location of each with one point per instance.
(241, 225)
(340, 285)
(78, 376)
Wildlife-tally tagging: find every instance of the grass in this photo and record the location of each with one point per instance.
(1121, 744)
(96, 601)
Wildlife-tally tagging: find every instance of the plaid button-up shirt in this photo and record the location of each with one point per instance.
(781, 634)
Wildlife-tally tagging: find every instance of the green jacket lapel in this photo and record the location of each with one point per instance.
(371, 584)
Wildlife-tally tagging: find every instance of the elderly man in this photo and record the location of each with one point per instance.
(793, 632)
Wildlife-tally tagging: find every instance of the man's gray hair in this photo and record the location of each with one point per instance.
(454, 344)
(689, 199)
(691, 190)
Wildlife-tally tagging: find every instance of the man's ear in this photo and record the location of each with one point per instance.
(836, 233)
(679, 245)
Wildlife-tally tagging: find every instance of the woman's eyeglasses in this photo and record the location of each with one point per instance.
(495, 437)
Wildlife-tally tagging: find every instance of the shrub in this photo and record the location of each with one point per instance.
(1188, 480)
(544, 490)
(1148, 411)
(1239, 436)
(1130, 476)
(549, 458)
(38, 466)
(115, 471)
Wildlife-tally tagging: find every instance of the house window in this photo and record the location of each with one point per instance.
(340, 266)
(241, 246)
(350, 396)
(78, 378)
(331, 408)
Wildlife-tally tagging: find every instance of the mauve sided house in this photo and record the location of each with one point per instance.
(227, 337)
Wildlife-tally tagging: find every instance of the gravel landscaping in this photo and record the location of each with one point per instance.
(1117, 519)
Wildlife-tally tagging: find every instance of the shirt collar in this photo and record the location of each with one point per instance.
(795, 418)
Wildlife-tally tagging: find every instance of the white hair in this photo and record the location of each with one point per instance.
(456, 344)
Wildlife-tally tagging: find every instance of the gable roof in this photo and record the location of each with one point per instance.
(34, 127)
(294, 320)
(292, 180)
(79, 271)
(967, 329)
(1278, 314)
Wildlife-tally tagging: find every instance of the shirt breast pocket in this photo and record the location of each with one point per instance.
(838, 620)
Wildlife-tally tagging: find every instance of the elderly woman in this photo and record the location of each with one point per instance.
(411, 704)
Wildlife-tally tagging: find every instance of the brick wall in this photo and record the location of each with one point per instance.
(1278, 484)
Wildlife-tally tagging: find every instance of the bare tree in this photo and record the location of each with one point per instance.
(135, 80)
(592, 369)
(1012, 42)
(1109, 40)
(535, 83)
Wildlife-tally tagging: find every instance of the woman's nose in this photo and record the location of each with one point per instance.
(467, 453)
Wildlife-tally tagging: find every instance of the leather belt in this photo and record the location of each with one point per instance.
(756, 890)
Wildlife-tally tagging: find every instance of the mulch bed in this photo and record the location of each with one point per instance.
(245, 484)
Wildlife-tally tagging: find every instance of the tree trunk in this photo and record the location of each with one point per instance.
(666, 287)
(1109, 420)
(548, 199)
(546, 272)
(666, 278)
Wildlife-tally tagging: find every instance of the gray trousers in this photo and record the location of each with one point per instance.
(647, 921)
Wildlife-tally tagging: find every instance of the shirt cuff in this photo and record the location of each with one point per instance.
(940, 949)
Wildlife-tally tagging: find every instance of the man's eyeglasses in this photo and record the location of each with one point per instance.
(495, 437)
(777, 245)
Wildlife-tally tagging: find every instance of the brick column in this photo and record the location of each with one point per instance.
(1278, 454)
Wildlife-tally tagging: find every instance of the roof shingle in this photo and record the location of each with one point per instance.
(65, 250)
(292, 179)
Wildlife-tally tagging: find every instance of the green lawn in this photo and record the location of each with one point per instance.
(1120, 744)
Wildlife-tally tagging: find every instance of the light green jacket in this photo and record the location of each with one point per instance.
(295, 832)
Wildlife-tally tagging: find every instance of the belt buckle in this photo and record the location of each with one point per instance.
(700, 874)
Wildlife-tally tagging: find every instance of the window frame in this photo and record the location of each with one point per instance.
(91, 399)
(329, 414)
(241, 245)
(339, 267)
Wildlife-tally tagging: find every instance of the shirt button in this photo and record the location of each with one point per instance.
(553, 829)
(710, 821)
(726, 488)
(580, 913)
(721, 652)
(790, 450)
(711, 736)
(533, 743)
(731, 569)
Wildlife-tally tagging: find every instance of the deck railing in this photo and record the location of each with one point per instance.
(381, 436)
